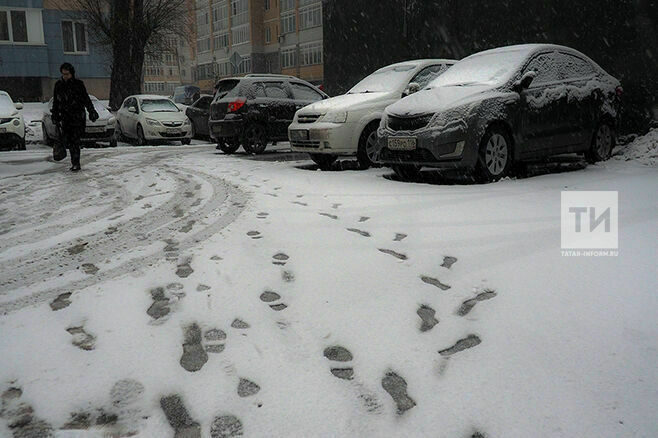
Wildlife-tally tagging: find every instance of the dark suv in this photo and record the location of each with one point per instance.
(256, 109)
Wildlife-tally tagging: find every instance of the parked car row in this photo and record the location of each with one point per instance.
(102, 130)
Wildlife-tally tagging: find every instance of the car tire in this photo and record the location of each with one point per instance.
(141, 140)
(367, 146)
(406, 172)
(228, 146)
(495, 158)
(186, 141)
(324, 161)
(255, 139)
(119, 133)
(20, 145)
(603, 141)
(113, 141)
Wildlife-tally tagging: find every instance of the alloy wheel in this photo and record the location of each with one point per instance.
(496, 154)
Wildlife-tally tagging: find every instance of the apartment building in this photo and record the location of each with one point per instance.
(236, 37)
(36, 37)
(173, 67)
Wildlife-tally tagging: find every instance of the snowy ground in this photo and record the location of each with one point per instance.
(173, 288)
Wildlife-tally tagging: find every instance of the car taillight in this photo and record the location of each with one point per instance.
(619, 91)
(236, 105)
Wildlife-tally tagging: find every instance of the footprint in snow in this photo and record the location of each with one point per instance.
(360, 232)
(428, 320)
(254, 235)
(214, 339)
(340, 367)
(194, 355)
(20, 417)
(89, 268)
(226, 426)
(303, 204)
(448, 261)
(179, 417)
(82, 339)
(280, 259)
(77, 249)
(335, 206)
(240, 324)
(463, 344)
(468, 305)
(396, 387)
(363, 218)
(184, 268)
(399, 237)
(434, 282)
(62, 301)
(262, 215)
(247, 388)
(395, 254)
(271, 299)
(330, 216)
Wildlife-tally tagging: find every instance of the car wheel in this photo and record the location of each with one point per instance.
(186, 141)
(495, 155)
(367, 146)
(603, 142)
(228, 146)
(20, 145)
(46, 138)
(255, 139)
(141, 140)
(324, 161)
(406, 172)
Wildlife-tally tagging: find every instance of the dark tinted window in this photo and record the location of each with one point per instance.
(304, 92)
(276, 90)
(426, 75)
(547, 68)
(573, 67)
(226, 87)
(203, 103)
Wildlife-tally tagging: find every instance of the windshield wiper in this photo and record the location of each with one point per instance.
(465, 84)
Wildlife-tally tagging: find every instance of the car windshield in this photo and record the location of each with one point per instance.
(158, 106)
(487, 69)
(6, 104)
(385, 79)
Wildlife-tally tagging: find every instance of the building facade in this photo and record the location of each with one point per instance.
(165, 71)
(36, 37)
(237, 37)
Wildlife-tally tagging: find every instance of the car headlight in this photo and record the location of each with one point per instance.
(152, 122)
(339, 117)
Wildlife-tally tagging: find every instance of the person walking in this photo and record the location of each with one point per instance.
(70, 99)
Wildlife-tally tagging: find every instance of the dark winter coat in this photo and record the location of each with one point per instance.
(69, 102)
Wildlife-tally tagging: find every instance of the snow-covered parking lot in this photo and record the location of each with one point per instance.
(174, 289)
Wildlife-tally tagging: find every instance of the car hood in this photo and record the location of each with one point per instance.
(10, 113)
(348, 102)
(166, 116)
(440, 99)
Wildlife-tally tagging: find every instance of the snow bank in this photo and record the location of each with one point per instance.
(643, 149)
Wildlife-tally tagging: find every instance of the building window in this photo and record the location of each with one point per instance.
(239, 12)
(13, 26)
(268, 35)
(310, 54)
(245, 65)
(267, 5)
(221, 41)
(288, 58)
(287, 5)
(74, 36)
(203, 45)
(288, 23)
(220, 16)
(310, 17)
(240, 35)
(303, 3)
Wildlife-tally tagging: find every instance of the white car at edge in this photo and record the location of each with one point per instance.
(12, 125)
(146, 118)
(347, 125)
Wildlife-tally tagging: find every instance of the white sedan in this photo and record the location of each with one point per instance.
(347, 124)
(12, 125)
(102, 130)
(146, 118)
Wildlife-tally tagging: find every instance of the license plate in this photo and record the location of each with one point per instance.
(301, 134)
(94, 129)
(402, 143)
(173, 131)
(3, 130)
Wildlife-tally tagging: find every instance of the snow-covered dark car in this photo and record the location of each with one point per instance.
(102, 130)
(503, 106)
(198, 113)
(256, 109)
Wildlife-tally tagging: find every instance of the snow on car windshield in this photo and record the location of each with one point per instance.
(486, 69)
(6, 105)
(384, 79)
(157, 106)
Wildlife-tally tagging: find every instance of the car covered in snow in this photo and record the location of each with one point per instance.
(255, 109)
(347, 125)
(146, 118)
(12, 125)
(502, 106)
(102, 130)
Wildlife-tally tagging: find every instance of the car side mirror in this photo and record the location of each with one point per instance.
(132, 109)
(412, 88)
(525, 81)
(19, 106)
